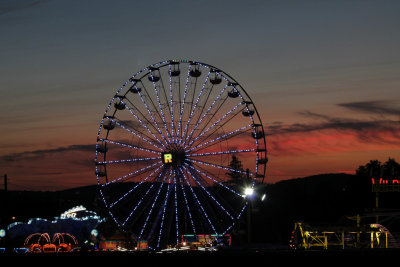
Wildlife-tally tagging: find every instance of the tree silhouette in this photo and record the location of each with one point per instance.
(391, 169)
(375, 169)
(236, 174)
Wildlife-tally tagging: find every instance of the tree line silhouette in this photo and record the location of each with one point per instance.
(375, 169)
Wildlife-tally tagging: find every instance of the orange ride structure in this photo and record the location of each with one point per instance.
(42, 243)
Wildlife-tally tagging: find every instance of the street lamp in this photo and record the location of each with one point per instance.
(248, 191)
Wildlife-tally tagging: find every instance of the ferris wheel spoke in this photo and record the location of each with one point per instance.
(221, 152)
(200, 117)
(221, 167)
(149, 110)
(133, 106)
(134, 133)
(216, 129)
(127, 125)
(164, 91)
(218, 126)
(129, 146)
(209, 176)
(198, 202)
(216, 123)
(159, 103)
(195, 177)
(173, 130)
(136, 186)
(218, 105)
(141, 122)
(144, 195)
(184, 134)
(201, 176)
(187, 205)
(126, 160)
(200, 120)
(176, 211)
(152, 207)
(220, 139)
(160, 214)
(237, 218)
(132, 174)
(183, 104)
(164, 209)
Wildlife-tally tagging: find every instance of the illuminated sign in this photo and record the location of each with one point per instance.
(385, 181)
(79, 213)
(167, 158)
(71, 213)
(173, 158)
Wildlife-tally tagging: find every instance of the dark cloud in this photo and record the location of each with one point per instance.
(378, 131)
(43, 152)
(13, 6)
(373, 107)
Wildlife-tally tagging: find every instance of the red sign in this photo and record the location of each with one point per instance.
(385, 181)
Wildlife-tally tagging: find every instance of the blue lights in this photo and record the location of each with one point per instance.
(169, 137)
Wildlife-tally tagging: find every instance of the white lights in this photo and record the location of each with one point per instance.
(160, 106)
(194, 108)
(248, 191)
(220, 167)
(141, 122)
(79, 213)
(205, 114)
(183, 104)
(172, 145)
(263, 197)
(222, 137)
(134, 133)
(215, 123)
(151, 115)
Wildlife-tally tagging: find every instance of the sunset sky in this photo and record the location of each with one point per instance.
(324, 76)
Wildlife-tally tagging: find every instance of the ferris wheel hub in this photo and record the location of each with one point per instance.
(174, 155)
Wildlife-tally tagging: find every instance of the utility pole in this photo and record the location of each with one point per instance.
(6, 198)
(5, 208)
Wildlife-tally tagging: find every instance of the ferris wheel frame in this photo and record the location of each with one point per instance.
(176, 143)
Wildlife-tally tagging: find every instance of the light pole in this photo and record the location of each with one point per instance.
(248, 192)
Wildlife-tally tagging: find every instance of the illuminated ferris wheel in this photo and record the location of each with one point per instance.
(176, 146)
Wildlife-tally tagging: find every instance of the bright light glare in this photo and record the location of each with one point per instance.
(248, 191)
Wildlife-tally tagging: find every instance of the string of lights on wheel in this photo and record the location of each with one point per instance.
(165, 149)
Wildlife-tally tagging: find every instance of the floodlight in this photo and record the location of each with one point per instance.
(248, 191)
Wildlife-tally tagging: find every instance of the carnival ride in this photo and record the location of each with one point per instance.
(165, 149)
(371, 236)
(42, 243)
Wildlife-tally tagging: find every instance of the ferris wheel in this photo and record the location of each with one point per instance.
(178, 143)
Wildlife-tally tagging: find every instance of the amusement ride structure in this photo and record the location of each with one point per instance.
(177, 145)
(41, 242)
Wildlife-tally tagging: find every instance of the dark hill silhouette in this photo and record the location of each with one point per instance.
(323, 199)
